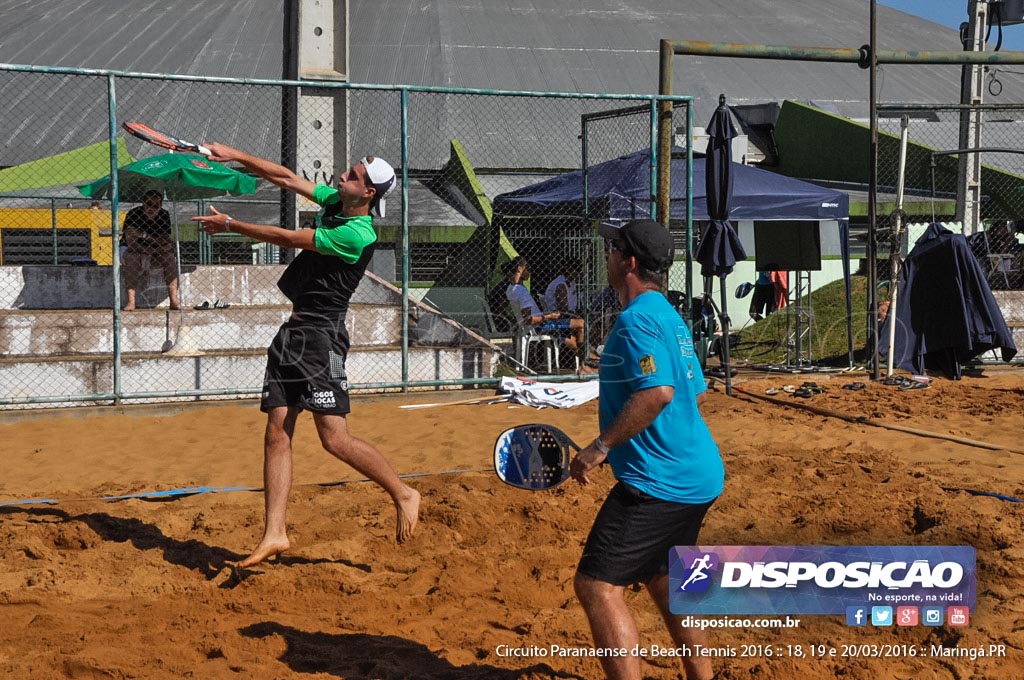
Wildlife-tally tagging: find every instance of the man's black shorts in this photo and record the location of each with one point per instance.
(306, 368)
(632, 534)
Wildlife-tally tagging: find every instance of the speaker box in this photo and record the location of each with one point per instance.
(787, 245)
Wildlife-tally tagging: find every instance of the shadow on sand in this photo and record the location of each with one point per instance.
(357, 656)
(210, 561)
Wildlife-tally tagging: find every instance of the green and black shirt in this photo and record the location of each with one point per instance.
(321, 283)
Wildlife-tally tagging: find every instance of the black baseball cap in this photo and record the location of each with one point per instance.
(647, 240)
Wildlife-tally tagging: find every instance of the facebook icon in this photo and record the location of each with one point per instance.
(856, 616)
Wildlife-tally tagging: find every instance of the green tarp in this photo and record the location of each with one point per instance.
(456, 184)
(70, 167)
(488, 248)
(461, 290)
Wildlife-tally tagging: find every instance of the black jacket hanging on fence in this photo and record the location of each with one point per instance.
(945, 311)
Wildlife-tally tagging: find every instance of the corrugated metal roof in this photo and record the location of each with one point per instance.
(612, 46)
(557, 45)
(240, 39)
(575, 46)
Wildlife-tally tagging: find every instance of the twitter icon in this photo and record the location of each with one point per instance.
(881, 616)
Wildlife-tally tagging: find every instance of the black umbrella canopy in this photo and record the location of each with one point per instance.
(720, 246)
(718, 166)
(719, 249)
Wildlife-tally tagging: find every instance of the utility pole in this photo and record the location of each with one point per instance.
(314, 130)
(968, 187)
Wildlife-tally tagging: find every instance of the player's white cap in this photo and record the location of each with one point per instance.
(382, 176)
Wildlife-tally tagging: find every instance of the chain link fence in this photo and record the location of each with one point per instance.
(931, 175)
(191, 315)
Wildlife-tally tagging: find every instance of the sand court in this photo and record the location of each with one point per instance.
(139, 588)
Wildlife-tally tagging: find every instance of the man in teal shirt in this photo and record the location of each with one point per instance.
(306, 361)
(667, 465)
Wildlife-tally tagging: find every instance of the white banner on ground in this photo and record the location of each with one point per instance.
(541, 394)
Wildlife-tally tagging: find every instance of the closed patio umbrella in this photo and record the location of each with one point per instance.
(719, 248)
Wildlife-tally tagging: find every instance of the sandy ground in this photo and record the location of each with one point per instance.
(138, 589)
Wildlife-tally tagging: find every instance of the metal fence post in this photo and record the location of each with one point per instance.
(115, 207)
(405, 240)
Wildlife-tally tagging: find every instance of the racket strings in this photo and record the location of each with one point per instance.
(552, 454)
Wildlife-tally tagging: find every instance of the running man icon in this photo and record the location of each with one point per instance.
(698, 571)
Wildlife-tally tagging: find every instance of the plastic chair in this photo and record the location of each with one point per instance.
(1002, 259)
(527, 337)
(494, 327)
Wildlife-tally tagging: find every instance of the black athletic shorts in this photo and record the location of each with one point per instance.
(632, 534)
(306, 368)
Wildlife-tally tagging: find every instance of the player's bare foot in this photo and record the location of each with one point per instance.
(408, 508)
(128, 308)
(265, 550)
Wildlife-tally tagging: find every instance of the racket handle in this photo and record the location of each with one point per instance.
(203, 150)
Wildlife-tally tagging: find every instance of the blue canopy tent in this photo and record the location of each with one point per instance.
(620, 189)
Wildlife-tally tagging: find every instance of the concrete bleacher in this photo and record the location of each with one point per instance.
(57, 337)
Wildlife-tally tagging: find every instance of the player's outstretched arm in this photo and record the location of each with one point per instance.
(268, 170)
(218, 223)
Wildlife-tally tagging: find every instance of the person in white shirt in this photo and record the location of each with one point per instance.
(561, 294)
(529, 313)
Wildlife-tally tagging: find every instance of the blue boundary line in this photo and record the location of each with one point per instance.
(992, 494)
(174, 494)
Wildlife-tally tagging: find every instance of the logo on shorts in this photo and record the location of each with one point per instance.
(323, 399)
(647, 364)
(696, 577)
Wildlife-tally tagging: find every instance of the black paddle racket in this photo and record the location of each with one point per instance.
(533, 457)
(148, 134)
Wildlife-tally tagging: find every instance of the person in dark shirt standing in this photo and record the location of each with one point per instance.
(147, 235)
(306, 361)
